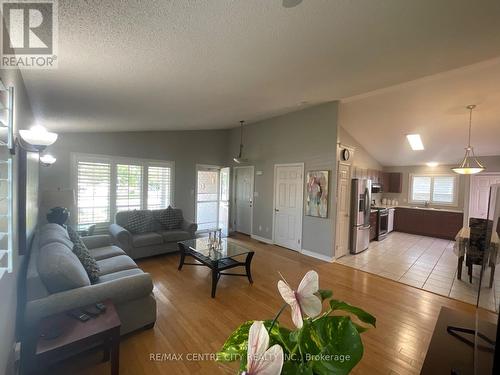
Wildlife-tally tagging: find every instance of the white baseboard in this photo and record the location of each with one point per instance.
(312, 254)
(262, 239)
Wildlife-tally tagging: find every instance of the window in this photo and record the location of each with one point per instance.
(159, 187)
(436, 189)
(106, 185)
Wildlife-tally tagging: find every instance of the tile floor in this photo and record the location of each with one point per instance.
(426, 263)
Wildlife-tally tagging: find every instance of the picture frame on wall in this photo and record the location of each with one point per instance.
(317, 190)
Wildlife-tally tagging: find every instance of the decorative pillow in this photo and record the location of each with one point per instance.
(83, 254)
(172, 218)
(139, 222)
(60, 269)
(161, 217)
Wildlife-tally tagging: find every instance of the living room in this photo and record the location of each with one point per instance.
(162, 139)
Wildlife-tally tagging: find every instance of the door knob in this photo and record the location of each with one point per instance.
(276, 210)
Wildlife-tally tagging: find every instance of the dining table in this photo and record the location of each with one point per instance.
(461, 248)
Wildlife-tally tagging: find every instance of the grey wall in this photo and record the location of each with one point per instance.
(185, 148)
(308, 136)
(23, 118)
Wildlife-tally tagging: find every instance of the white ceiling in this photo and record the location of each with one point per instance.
(433, 107)
(155, 65)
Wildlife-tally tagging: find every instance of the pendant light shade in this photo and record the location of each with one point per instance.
(470, 164)
(239, 159)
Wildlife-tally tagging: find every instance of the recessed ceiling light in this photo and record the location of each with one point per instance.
(432, 164)
(415, 142)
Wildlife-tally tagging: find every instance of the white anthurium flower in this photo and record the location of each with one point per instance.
(303, 301)
(260, 359)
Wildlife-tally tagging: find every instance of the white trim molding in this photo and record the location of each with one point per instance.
(322, 257)
(262, 239)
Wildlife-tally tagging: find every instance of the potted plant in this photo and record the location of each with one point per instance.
(321, 343)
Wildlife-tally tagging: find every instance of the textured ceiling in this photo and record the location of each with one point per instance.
(153, 65)
(433, 107)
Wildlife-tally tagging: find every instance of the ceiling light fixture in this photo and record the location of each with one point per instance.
(239, 159)
(36, 139)
(470, 164)
(415, 142)
(47, 160)
(432, 164)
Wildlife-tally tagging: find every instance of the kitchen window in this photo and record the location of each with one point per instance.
(435, 189)
(105, 185)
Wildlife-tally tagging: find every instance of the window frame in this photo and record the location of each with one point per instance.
(431, 201)
(114, 161)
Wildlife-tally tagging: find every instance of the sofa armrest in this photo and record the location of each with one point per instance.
(119, 291)
(99, 240)
(189, 226)
(121, 236)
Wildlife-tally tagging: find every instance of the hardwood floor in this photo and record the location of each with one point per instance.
(189, 321)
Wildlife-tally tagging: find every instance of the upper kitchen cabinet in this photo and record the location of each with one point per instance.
(392, 182)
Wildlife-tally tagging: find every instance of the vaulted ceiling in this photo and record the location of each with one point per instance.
(164, 65)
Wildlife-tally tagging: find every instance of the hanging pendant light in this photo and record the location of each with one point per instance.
(239, 159)
(470, 164)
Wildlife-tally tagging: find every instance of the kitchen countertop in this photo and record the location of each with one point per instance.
(420, 208)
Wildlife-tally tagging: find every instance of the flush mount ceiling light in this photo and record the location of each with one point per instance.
(470, 164)
(432, 164)
(239, 159)
(37, 138)
(415, 142)
(47, 160)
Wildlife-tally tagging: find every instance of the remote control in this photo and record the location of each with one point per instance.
(100, 306)
(80, 315)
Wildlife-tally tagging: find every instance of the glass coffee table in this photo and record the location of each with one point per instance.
(217, 260)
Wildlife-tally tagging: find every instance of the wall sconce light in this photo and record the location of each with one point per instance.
(47, 160)
(36, 139)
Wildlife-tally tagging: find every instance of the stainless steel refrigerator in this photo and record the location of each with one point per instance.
(361, 197)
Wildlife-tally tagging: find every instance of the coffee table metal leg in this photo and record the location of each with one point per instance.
(215, 278)
(248, 263)
(115, 353)
(183, 256)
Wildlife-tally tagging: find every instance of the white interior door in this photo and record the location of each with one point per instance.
(343, 210)
(288, 205)
(243, 177)
(479, 194)
(224, 176)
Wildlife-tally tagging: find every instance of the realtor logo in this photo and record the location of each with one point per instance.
(29, 34)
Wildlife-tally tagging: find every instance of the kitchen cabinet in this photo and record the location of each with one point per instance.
(373, 225)
(432, 223)
(392, 182)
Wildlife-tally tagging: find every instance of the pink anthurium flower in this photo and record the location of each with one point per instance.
(260, 359)
(303, 301)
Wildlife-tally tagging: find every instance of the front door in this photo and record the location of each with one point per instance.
(343, 209)
(243, 199)
(288, 205)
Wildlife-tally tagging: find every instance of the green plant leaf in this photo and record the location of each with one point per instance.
(341, 346)
(296, 368)
(325, 294)
(360, 313)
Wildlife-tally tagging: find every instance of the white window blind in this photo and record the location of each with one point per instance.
(128, 187)
(159, 187)
(433, 189)
(94, 188)
(443, 189)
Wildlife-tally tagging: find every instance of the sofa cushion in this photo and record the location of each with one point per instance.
(115, 264)
(60, 269)
(51, 233)
(139, 221)
(118, 275)
(83, 254)
(106, 252)
(146, 239)
(175, 235)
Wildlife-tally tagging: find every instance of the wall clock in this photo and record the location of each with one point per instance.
(346, 154)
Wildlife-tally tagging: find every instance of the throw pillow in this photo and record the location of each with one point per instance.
(139, 222)
(177, 221)
(83, 254)
(173, 218)
(161, 216)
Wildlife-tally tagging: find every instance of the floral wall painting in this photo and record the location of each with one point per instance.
(317, 193)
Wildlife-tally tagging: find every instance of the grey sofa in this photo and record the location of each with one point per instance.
(156, 240)
(56, 280)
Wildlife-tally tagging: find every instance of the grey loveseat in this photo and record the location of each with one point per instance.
(161, 231)
(56, 280)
